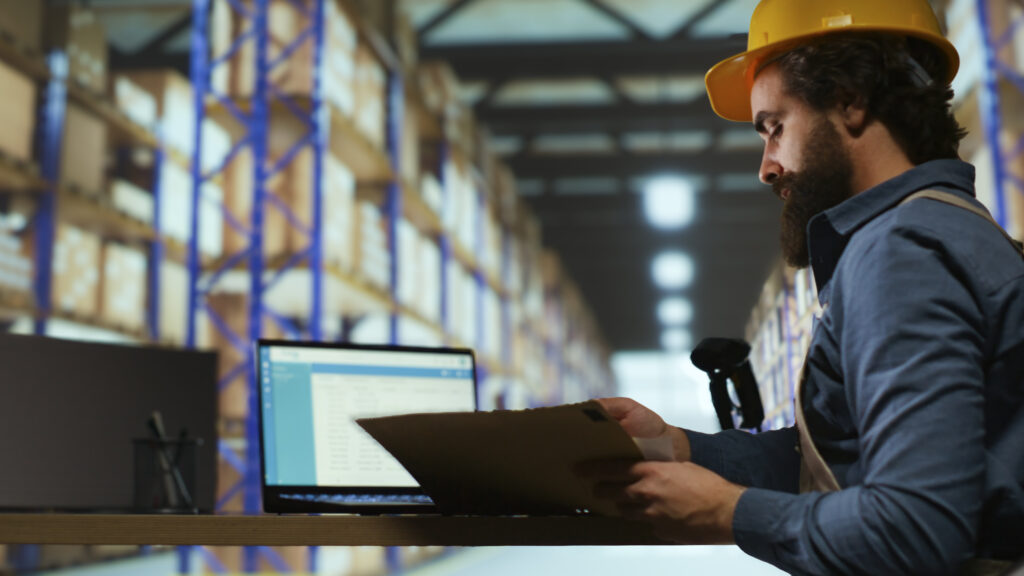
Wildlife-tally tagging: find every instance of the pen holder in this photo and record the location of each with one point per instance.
(165, 474)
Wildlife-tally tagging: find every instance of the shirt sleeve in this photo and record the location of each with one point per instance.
(765, 460)
(912, 361)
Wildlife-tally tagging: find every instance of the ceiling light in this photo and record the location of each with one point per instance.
(672, 270)
(669, 202)
(676, 339)
(675, 311)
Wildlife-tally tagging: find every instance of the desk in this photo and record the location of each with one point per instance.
(319, 530)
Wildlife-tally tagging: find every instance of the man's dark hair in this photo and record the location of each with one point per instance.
(900, 81)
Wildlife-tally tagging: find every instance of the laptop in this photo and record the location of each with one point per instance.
(315, 458)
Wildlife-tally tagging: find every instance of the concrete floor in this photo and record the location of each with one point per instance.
(597, 561)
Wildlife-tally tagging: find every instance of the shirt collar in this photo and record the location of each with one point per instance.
(829, 232)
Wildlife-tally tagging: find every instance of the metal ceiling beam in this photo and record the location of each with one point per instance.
(619, 17)
(156, 44)
(687, 28)
(618, 117)
(598, 59)
(442, 17)
(553, 166)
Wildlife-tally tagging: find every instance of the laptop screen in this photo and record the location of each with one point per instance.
(311, 394)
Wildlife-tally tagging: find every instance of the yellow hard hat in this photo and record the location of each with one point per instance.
(781, 25)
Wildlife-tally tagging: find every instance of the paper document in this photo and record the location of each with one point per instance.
(507, 462)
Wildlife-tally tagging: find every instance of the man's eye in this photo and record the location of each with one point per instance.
(774, 134)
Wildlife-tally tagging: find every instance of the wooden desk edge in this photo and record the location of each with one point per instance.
(319, 530)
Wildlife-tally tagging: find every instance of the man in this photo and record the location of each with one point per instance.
(913, 390)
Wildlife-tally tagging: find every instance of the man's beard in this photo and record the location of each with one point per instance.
(824, 182)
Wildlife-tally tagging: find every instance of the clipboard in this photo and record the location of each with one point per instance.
(515, 462)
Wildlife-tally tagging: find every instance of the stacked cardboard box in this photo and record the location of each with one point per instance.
(430, 278)
(135, 102)
(15, 267)
(462, 304)
(77, 30)
(491, 260)
(77, 263)
(123, 301)
(337, 215)
(374, 258)
(239, 185)
(175, 106)
(176, 210)
(23, 22)
(174, 305)
(17, 115)
(295, 73)
(406, 251)
(338, 232)
(370, 97)
(410, 158)
(460, 205)
(84, 151)
(494, 340)
(132, 200)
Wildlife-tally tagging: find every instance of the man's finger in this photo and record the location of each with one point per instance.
(617, 407)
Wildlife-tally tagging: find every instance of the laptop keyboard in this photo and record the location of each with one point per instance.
(381, 499)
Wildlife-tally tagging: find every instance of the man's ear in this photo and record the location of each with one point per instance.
(854, 116)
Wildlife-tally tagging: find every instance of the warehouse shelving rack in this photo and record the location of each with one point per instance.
(399, 200)
(55, 202)
(254, 115)
(255, 120)
(998, 35)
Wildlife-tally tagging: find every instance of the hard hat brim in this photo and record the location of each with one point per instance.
(729, 82)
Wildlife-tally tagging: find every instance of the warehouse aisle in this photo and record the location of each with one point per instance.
(597, 561)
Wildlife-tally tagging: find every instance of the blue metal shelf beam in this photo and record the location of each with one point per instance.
(991, 105)
(44, 221)
(256, 123)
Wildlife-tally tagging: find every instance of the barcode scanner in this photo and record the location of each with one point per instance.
(726, 360)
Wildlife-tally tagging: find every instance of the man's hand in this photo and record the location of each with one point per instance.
(641, 422)
(684, 502)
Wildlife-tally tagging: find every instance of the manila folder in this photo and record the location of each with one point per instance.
(515, 462)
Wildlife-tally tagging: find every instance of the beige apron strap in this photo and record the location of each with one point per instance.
(955, 200)
(815, 475)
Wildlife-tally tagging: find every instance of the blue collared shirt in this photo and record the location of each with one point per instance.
(914, 395)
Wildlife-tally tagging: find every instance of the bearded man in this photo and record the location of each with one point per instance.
(908, 454)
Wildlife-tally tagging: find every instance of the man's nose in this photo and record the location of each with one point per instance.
(770, 169)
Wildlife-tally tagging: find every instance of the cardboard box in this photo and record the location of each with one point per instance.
(337, 218)
(410, 159)
(409, 274)
(18, 113)
(123, 302)
(370, 97)
(77, 263)
(175, 106)
(23, 21)
(294, 75)
(15, 267)
(430, 292)
(239, 189)
(83, 151)
(132, 200)
(78, 30)
(135, 102)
